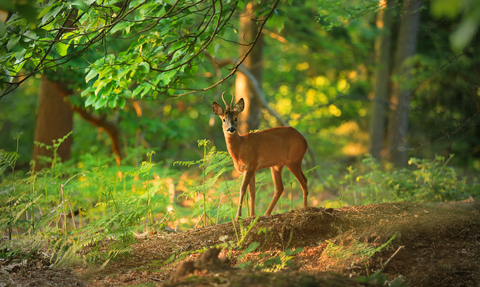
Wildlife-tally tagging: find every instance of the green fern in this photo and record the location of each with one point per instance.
(8, 159)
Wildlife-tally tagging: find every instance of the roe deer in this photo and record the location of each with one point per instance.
(274, 148)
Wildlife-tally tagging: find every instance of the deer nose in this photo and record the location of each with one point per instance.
(231, 130)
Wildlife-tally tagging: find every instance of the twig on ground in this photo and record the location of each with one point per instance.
(389, 259)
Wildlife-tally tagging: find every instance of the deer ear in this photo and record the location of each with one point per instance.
(217, 109)
(239, 106)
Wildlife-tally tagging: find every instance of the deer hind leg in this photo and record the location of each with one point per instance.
(296, 169)
(246, 180)
(277, 182)
(251, 192)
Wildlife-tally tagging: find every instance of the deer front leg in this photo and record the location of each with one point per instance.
(246, 180)
(251, 191)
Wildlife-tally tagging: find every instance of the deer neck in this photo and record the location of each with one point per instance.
(234, 141)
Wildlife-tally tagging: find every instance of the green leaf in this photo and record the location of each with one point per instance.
(112, 103)
(12, 43)
(121, 74)
(92, 74)
(29, 36)
(101, 103)
(277, 22)
(19, 66)
(57, 10)
(121, 26)
(193, 70)
(144, 67)
(241, 5)
(50, 13)
(121, 102)
(90, 100)
(176, 46)
(167, 77)
(108, 88)
(138, 90)
(280, 23)
(100, 86)
(45, 10)
(20, 54)
(61, 48)
(145, 91)
(80, 5)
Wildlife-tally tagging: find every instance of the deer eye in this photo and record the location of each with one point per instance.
(223, 120)
(235, 119)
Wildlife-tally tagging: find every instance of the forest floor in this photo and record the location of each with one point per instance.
(434, 244)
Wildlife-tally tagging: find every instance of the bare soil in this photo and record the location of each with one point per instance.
(433, 245)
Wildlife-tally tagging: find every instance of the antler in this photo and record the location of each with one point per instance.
(226, 106)
(233, 102)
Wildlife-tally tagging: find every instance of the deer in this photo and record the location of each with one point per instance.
(274, 148)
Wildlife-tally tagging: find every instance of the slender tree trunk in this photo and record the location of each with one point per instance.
(249, 119)
(381, 79)
(54, 121)
(400, 98)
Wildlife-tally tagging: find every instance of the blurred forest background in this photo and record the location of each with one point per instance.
(134, 82)
(316, 64)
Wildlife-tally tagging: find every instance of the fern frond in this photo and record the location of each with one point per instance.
(145, 168)
(8, 159)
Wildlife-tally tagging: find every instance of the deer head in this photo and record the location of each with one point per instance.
(229, 115)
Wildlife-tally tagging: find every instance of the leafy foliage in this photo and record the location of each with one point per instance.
(144, 48)
(429, 181)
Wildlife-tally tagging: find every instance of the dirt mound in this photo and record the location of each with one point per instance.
(426, 244)
(209, 270)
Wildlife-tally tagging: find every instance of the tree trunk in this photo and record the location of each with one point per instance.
(400, 98)
(381, 79)
(249, 119)
(54, 121)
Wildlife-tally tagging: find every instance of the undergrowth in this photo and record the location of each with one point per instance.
(90, 211)
(424, 180)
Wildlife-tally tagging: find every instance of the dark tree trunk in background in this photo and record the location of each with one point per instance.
(54, 121)
(249, 119)
(400, 98)
(381, 79)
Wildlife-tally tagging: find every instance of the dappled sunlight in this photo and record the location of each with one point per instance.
(334, 110)
(347, 128)
(284, 106)
(284, 90)
(343, 86)
(302, 66)
(354, 149)
(357, 139)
